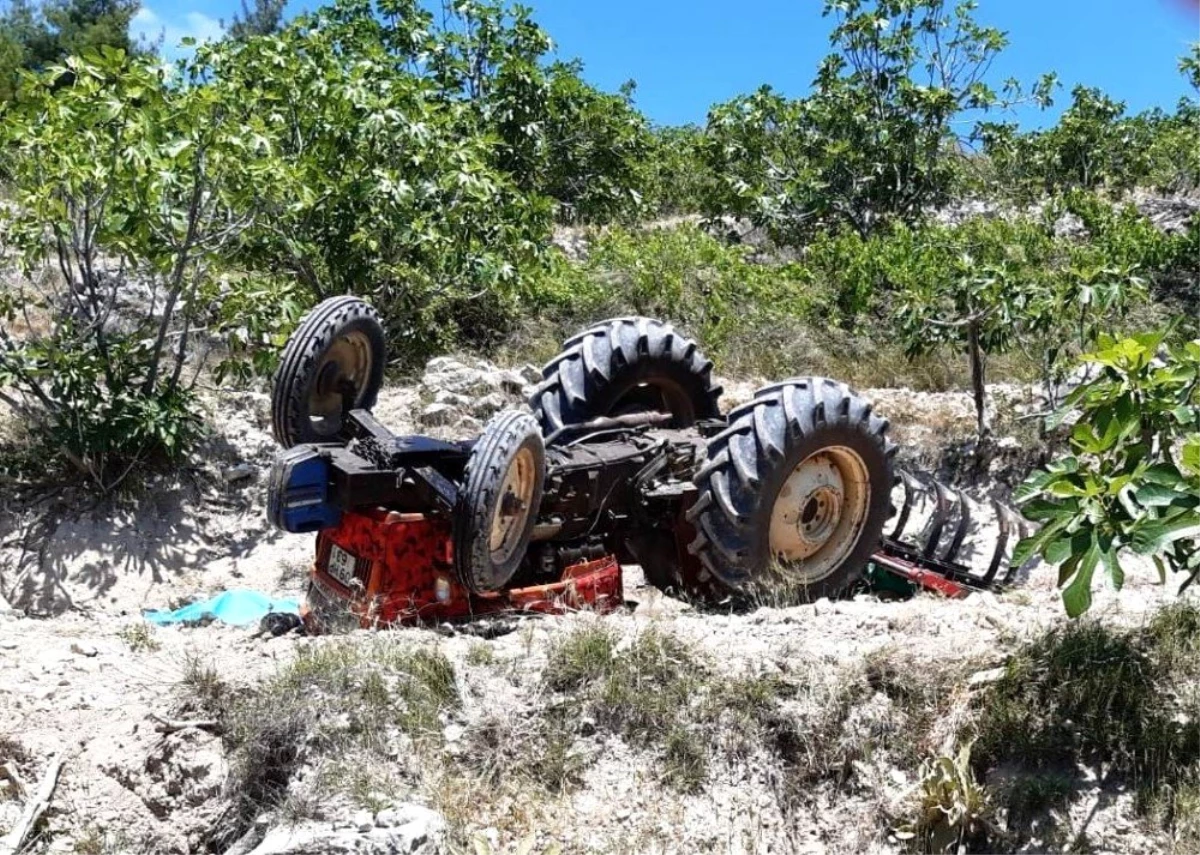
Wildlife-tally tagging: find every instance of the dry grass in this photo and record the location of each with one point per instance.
(481, 654)
(365, 720)
(202, 688)
(344, 711)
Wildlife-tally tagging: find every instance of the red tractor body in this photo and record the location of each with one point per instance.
(382, 568)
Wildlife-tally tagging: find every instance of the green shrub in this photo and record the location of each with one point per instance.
(1088, 694)
(1132, 481)
(680, 274)
(874, 142)
(678, 179)
(131, 176)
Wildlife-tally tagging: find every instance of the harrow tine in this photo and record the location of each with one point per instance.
(1003, 521)
(938, 522)
(1024, 529)
(964, 522)
(910, 490)
(948, 535)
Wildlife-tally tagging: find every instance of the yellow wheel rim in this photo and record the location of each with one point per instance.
(819, 514)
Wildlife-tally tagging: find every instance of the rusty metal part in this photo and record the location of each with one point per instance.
(514, 507)
(922, 577)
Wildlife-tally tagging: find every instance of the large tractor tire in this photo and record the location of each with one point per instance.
(498, 503)
(333, 363)
(795, 492)
(622, 366)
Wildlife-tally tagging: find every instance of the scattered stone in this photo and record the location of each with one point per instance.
(983, 678)
(410, 830)
(488, 406)
(436, 415)
(83, 648)
(452, 399)
(240, 472)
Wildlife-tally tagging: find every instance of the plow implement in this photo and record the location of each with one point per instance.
(940, 530)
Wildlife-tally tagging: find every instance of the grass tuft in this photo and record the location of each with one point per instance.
(584, 655)
(1124, 702)
(481, 655)
(1029, 796)
(203, 689)
(139, 636)
(341, 701)
(1083, 691)
(657, 691)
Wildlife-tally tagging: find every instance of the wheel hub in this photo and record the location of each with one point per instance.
(512, 506)
(819, 513)
(345, 370)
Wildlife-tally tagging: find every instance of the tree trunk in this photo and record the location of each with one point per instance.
(978, 389)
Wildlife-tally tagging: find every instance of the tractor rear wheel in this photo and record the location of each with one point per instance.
(626, 365)
(498, 503)
(795, 492)
(333, 363)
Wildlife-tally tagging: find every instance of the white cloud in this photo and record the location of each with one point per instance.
(149, 26)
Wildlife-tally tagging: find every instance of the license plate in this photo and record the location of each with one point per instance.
(341, 566)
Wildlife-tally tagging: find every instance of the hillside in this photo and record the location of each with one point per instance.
(925, 316)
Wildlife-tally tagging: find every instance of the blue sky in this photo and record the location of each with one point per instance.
(688, 54)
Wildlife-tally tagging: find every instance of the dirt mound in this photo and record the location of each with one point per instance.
(95, 682)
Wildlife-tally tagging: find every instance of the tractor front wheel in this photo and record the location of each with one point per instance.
(499, 500)
(333, 363)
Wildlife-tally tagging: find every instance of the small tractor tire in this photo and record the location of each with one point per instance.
(498, 502)
(335, 357)
(795, 492)
(626, 365)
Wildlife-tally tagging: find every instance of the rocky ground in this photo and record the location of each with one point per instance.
(86, 680)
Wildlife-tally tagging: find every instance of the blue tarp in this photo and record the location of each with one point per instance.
(236, 607)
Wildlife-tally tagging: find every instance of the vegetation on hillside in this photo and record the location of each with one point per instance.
(163, 210)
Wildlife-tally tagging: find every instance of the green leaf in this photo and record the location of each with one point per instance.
(1040, 510)
(1189, 455)
(1162, 473)
(1154, 536)
(1077, 596)
(1032, 486)
(1161, 568)
(1115, 571)
(1153, 495)
(1030, 546)
(1059, 549)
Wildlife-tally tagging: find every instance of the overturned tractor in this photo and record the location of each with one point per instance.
(624, 457)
